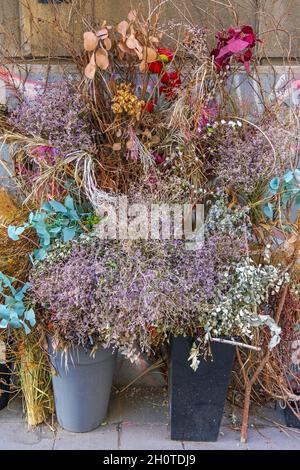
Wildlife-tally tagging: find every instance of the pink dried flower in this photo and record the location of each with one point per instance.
(237, 43)
(59, 115)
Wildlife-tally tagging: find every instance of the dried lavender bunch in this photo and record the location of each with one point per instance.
(243, 158)
(62, 118)
(115, 293)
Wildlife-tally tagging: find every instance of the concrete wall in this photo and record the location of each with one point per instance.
(25, 25)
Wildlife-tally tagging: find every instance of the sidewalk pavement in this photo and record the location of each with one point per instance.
(138, 419)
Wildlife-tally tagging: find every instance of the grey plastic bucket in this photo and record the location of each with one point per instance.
(82, 390)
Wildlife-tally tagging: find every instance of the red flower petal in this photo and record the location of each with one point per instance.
(150, 106)
(155, 67)
(165, 78)
(167, 52)
(247, 29)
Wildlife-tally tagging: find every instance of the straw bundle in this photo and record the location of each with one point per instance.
(34, 372)
(14, 259)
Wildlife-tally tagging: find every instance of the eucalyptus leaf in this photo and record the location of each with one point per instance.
(30, 316)
(286, 197)
(73, 215)
(57, 206)
(69, 233)
(275, 183)
(15, 323)
(7, 282)
(14, 312)
(54, 221)
(47, 207)
(297, 175)
(26, 328)
(20, 294)
(55, 230)
(275, 329)
(4, 312)
(297, 201)
(288, 176)
(11, 232)
(268, 210)
(40, 254)
(69, 203)
(3, 324)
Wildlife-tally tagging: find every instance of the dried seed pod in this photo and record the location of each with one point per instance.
(130, 144)
(90, 41)
(124, 48)
(90, 71)
(102, 59)
(143, 67)
(149, 54)
(117, 146)
(132, 42)
(132, 15)
(102, 33)
(122, 28)
(107, 43)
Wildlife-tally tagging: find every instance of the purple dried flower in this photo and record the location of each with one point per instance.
(242, 160)
(58, 115)
(116, 292)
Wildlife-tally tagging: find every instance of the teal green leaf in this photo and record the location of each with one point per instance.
(297, 175)
(4, 312)
(268, 210)
(47, 207)
(21, 292)
(297, 201)
(274, 183)
(55, 230)
(7, 282)
(12, 233)
(40, 254)
(58, 206)
(3, 323)
(288, 176)
(30, 316)
(68, 233)
(69, 203)
(26, 328)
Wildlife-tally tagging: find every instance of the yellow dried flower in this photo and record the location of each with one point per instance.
(125, 101)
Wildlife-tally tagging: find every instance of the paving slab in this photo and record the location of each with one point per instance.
(17, 436)
(272, 438)
(140, 405)
(150, 437)
(104, 438)
(138, 419)
(229, 439)
(259, 438)
(13, 412)
(268, 415)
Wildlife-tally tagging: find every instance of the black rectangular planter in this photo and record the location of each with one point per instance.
(291, 420)
(5, 375)
(197, 398)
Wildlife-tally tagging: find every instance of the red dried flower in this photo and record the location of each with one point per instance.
(159, 159)
(236, 42)
(153, 331)
(166, 55)
(156, 66)
(171, 79)
(150, 106)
